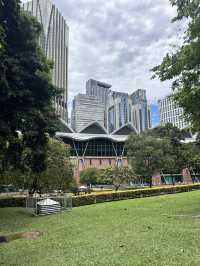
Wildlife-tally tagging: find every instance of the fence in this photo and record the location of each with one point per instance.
(47, 204)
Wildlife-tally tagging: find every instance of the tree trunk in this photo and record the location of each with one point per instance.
(34, 186)
(150, 182)
(117, 187)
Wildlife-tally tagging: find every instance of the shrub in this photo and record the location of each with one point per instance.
(12, 202)
(131, 194)
(109, 196)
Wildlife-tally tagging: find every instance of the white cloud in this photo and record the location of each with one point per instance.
(118, 41)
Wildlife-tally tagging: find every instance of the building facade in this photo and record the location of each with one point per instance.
(123, 108)
(141, 111)
(86, 109)
(170, 112)
(94, 147)
(54, 41)
(98, 89)
(117, 110)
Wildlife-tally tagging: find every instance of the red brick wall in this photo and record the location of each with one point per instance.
(94, 162)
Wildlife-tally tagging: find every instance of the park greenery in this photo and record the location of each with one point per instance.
(89, 176)
(31, 158)
(162, 150)
(57, 175)
(153, 231)
(27, 116)
(115, 176)
(182, 66)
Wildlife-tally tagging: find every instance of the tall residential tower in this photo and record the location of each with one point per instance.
(54, 42)
(170, 112)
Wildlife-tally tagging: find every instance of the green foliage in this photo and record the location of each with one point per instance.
(59, 171)
(116, 176)
(73, 187)
(162, 149)
(143, 232)
(89, 176)
(148, 155)
(174, 134)
(183, 65)
(26, 93)
(108, 196)
(57, 176)
(131, 194)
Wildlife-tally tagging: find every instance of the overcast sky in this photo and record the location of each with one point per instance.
(118, 41)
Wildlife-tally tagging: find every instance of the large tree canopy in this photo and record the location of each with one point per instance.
(183, 65)
(26, 91)
(148, 155)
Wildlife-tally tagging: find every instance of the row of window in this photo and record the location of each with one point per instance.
(99, 147)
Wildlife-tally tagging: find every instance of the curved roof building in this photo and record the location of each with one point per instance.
(94, 140)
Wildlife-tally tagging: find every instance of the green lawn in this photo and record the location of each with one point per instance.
(153, 231)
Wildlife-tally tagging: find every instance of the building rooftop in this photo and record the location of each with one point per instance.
(95, 131)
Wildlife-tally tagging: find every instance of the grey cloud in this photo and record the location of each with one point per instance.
(118, 41)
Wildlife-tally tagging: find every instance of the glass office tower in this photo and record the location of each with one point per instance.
(54, 41)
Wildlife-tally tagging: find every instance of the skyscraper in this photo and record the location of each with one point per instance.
(117, 110)
(86, 109)
(98, 89)
(133, 109)
(170, 112)
(101, 91)
(54, 42)
(141, 111)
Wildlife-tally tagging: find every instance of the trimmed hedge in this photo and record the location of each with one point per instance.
(131, 194)
(109, 196)
(12, 202)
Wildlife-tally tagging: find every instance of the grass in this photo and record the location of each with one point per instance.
(150, 231)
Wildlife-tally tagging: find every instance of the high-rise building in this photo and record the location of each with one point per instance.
(101, 91)
(141, 111)
(54, 42)
(128, 109)
(86, 109)
(98, 89)
(117, 110)
(170, 112)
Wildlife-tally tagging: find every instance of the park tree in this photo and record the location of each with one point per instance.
(26, 93)
(173, 133)
(183, 64)
(177, 149)
(89, 176)
(149, 155)
(59, 170)
(117, 176)
(58, 174)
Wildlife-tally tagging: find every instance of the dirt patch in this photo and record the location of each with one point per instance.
(27, 235)
(32, 235)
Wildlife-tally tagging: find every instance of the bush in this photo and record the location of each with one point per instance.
(109, 196)
(131, 194)
(12, 202)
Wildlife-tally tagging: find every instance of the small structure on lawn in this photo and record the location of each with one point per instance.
(47, 204)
